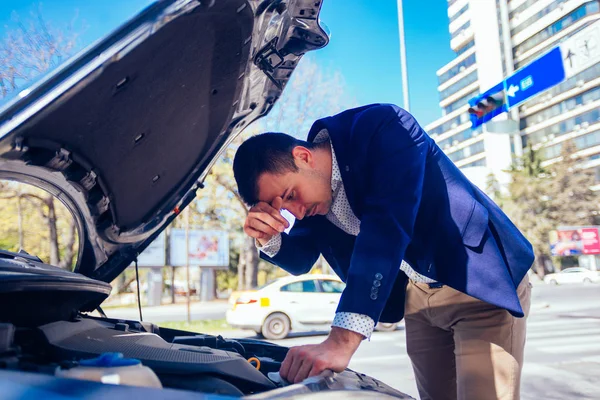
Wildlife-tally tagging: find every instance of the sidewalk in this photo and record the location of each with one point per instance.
(212, 310)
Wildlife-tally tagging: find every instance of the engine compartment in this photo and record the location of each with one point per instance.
(47, 335)
(181, 360)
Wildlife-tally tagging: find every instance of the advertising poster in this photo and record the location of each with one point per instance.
(575, 241)
(207, 248)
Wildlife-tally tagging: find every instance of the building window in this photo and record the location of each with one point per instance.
(561, 24)
(455, 87)
(478, 163)
(575, 123)
(461, 12)
(581, 142)
(562, 107)
(460, 30)
(468, 151)
(465, 48)
(522, 7)
(540, 14)
(460, 102)
(457, 69)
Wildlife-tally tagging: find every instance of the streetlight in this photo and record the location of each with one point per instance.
(403, 66)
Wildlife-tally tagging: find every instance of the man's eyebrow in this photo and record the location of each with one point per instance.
(284, 193)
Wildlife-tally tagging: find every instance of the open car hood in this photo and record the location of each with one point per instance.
(125, 132)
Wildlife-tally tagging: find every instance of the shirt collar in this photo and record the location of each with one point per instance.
(336, 175)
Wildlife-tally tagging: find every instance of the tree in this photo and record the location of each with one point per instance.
(26, 52)
(31, 49)
(25, 211)
(543, 198)
(572, 202)
(312, 93)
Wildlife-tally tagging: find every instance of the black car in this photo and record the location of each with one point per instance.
(124, 135)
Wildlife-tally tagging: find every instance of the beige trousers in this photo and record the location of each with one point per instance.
(463, 348)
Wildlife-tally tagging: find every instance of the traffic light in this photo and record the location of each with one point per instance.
(487, 105)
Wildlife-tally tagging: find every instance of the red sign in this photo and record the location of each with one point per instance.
(591, 241)
(574, 241)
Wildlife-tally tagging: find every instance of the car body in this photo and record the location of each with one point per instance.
(123, 134)
(296, 303)
(304, 303)
(573, 275)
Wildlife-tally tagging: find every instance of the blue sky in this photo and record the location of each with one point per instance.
(364, 46)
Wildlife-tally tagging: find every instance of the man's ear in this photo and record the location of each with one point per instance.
(302, 155)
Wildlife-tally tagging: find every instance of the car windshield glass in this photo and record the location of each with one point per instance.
(300, 287)
(330, 286)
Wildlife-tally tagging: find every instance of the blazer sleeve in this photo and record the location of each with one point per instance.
(298, 252)
(397, 150)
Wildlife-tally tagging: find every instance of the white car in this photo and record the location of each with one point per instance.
(573, 275)
(295, 303)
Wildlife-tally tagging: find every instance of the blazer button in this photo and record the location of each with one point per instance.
(373, 296)
(376, 283)
(347, 168)
(378, 276)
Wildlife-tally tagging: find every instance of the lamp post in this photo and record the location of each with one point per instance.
(403, 66)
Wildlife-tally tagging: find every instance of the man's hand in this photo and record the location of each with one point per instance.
(264, 220)
(310, 360)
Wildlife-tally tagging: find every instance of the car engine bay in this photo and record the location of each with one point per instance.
(46, 328)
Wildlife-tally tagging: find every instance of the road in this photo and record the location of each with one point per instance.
(172, 312)
(562, 355)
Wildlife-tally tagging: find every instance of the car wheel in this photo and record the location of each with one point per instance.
(276, 326)
(386, 326)
(587, 280)
(553, 282)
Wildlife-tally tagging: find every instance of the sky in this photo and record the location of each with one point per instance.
(364, 46)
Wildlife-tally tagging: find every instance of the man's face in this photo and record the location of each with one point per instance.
(306, 192)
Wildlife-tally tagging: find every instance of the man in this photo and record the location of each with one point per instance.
(410, 236)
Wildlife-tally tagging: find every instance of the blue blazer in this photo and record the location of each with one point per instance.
(413, 204)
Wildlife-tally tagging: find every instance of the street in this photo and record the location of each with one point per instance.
(172, 312)
(562, 355)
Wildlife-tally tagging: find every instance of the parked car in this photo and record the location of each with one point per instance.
(123, 134)
(305, 303)
(573, 275)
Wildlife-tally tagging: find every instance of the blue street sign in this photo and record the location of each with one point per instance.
(543, 73)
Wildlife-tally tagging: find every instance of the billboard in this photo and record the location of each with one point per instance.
(574, 241)
(154, 255)
(207, 248)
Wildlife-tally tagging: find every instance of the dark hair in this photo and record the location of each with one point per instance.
(268, 152)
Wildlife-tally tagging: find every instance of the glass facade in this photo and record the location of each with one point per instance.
(461, 12)
(459, 137)
(468, 151)
(562, 107)
(460, 102)
(522, 8)
(478, 163)
(581, 142)
(587, 118)
(455, 87)
(465, 48)
(457, 69)
(556, 27)
(535, 17)
(461, 29)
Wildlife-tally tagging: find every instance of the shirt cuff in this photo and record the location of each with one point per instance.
(271, 248)
(358, 323)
